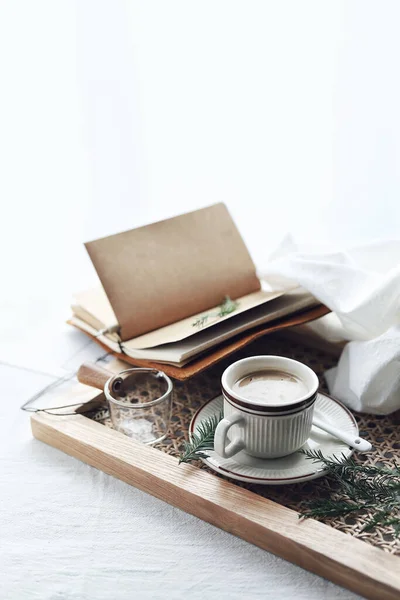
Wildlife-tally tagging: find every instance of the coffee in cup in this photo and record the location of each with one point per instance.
(270, 386)
(268, 407)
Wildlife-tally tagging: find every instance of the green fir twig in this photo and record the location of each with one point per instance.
(201, 440)
(372, 491)
(227, 307)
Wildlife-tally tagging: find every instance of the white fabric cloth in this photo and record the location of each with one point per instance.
(362, 287)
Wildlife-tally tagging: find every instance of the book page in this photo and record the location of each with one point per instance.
(187, 327)
(190, 347)
(180, 352)
(164, 272)
(94, 307)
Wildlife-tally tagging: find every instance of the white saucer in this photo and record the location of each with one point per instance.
(294, 468)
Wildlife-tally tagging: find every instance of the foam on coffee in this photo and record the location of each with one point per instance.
(270, 386)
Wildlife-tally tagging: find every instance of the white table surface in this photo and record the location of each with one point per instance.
(69, 531)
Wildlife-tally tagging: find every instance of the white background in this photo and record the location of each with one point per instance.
(114, 114)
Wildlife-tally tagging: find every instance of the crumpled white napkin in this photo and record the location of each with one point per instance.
(362, 287)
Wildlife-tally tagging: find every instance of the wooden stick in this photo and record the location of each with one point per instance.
(93, 375)
(312, 545)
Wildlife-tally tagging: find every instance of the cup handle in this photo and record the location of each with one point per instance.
(220, 437)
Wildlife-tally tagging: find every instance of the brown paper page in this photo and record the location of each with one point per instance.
(167, 271)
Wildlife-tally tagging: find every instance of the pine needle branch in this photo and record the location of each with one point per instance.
(227, 307)
(382, 518)
(364, 488)
(201, 440)
(331, 508)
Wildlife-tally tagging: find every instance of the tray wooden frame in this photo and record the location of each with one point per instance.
(344, 560)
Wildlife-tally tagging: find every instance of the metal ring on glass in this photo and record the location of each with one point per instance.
(110, 398)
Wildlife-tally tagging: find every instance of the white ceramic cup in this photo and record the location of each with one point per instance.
(265, 430)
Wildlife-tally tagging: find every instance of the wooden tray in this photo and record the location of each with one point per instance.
(247, 513)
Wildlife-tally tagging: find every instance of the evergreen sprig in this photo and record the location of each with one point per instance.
(374, 491)
(370, 490)
(201, 440)
(227, 307)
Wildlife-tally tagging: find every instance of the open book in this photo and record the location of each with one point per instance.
(177, 289)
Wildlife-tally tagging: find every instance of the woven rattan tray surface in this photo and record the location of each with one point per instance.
(382, 431)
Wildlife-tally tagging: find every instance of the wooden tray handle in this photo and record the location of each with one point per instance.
(92, 374)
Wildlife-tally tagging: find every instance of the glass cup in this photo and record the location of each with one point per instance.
(140, 403)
